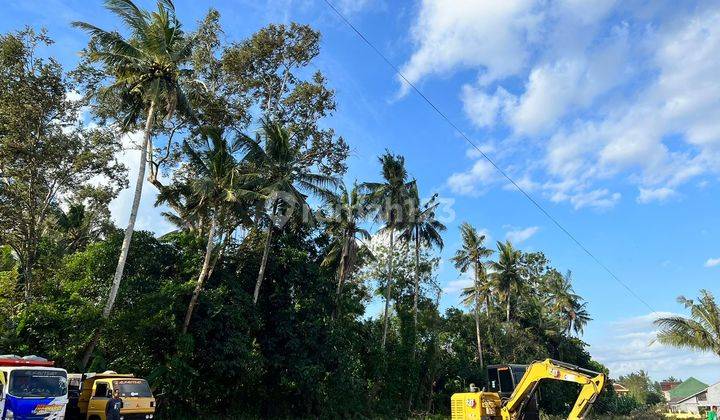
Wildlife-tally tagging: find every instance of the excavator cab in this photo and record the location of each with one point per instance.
(503, 379)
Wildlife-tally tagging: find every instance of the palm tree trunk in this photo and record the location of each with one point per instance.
(487, 305)
(477, 315)
(477, 334)
(203, 275)
(507, 308)
(221, 251)
(145, 152)
(27, 276)
(342, 267)
(417, 278)
(388, 289)
(342, 270)
(266, 252)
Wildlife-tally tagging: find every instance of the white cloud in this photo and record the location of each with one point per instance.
(549, 90)
(680, 100)
(712, 262)
(521, 235)
(451, 34)
(601, 198)
(470, 182)
(525, 182)
(483, 109)
(628, 345)
(351, 7)
(558, 88)
(648, 195)
(473, 153)
(149, 217)
(591, 99)
(454, 287)
(580, 197)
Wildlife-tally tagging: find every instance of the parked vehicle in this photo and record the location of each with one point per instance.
(97, 388)
(31, 388)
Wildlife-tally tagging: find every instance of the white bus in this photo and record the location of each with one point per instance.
(31, 388)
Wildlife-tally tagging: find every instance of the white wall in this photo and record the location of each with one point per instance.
(688, 406)
(713, 395)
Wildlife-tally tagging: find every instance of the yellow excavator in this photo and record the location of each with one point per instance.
(511, 391)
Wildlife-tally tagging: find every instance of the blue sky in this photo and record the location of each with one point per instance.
(605, 111)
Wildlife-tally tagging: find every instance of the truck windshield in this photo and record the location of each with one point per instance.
(27, 383)
(133, 388)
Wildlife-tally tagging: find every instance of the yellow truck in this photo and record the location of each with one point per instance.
(97, 388)
(511, 393)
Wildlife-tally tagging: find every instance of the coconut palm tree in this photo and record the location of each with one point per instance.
(280, 176)
(179, 196)
(472, 256)
(506, 273)
(213, 176)
(146, 69)
(422, 228)
(482, 293)
(701, 331)
(566, 303)
(579, 318)
(390, 197)
(344, 228)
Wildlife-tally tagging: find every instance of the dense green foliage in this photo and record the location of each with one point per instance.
(284, 356)
(258, 303)
(641, 388)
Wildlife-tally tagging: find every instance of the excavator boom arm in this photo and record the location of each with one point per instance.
(592, 384)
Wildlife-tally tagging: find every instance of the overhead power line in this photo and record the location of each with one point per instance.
(485, 156)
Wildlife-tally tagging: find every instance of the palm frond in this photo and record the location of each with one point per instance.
(115, 50)
(131, 15)
(700, 331)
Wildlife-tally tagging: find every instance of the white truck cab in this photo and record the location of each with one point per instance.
(31, 387)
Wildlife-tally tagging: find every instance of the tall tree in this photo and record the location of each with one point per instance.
(700, 331)
(213, 176)
(145, 69)
(472, 256)
(46, 155)
(347, 213)
(391, 198)
(507, 274)
(422, 228)
(566, 303)
(269, 70)
(280, 176)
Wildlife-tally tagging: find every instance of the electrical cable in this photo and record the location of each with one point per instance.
(486, 157)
